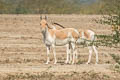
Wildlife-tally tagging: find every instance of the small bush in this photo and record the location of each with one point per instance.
(116, 58)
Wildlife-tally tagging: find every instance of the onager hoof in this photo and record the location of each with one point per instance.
(72, 62)
(96, 63)
(47, 62)
(87, 63)
(55, 62)
(66, 61)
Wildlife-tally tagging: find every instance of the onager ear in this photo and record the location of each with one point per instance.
(45, 17)
(40, 17)
(52, 22)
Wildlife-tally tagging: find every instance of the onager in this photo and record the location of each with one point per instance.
(53, 37)
(87, 37)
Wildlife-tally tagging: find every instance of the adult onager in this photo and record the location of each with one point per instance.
(53, 37)
(87, 36)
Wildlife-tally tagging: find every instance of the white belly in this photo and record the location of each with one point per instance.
(59, 42)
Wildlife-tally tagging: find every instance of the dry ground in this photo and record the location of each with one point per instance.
(23, 54)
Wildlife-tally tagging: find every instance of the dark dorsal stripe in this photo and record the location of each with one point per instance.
(59, 24)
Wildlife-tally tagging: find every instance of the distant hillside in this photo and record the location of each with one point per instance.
(51, 6)
(86, 1)
(78, 1)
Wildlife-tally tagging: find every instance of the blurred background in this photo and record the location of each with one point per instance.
(57, 6)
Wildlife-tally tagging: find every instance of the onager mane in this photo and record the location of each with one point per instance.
(49, 26)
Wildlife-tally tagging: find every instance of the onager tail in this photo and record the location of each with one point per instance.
(59, 24)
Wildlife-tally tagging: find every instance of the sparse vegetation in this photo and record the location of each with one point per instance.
(116, 58)
(116, 66)
(111, 16)
(91, 75)
(55, 6)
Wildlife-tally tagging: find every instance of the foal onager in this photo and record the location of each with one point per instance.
(53, 37)
(88, 36)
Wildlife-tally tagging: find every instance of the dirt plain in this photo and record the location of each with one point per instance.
(23, 54)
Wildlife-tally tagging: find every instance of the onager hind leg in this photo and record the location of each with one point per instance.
(74, 50)
(90, 54)
(75, 57)
(48, 52)
(68, 51)
(96, 52)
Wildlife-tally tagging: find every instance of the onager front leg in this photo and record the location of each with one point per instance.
(96, 52)
(48, 52)
(54, 52)
(90, 54)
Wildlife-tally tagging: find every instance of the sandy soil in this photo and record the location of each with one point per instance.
(22, 50)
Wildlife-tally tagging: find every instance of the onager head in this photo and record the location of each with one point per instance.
(43, 23)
